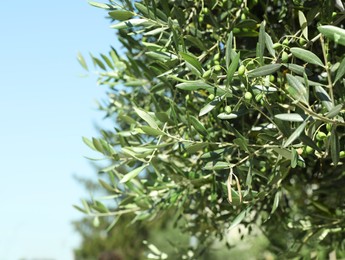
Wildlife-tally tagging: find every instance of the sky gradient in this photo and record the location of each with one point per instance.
(46, 106)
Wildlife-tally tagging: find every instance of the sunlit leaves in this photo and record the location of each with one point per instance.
(306, 56)
(334, 33)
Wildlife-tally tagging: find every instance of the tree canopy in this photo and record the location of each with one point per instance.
(226, 113)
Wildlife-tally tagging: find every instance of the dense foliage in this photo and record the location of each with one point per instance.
(227, 112)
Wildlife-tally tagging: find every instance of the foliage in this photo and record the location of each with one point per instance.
(228, 112)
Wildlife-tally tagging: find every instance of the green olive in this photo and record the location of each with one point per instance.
(285, 56)
(227, 109)
(211, 96)
(309, 150)
(217, 67)
(320, 136)
(241, 70)
(342, 154)
(248, 96)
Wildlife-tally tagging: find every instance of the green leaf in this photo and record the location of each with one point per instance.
(120, 15)
(264, 70)
(195, 147)
(261, 44)
(341, 71)
(300, 70)
(227, 116)
(195, 85)
(82, 61)
(303, 23)
(269, 44)
(232, 68)
(294, 158)
(324, 97)
(196, 42)
(335, 146)
(198, 126)
(131, 23)
(334, 111)
(89, 143)
(132, 174)
(146, 117)
(334, 33)
(208, 107)
(276, 202)
(152, 131)
(228, 50)
(295, 134)
(300, 93)
(101, 5)
(306, 56)
(291, 117)
(193, 62)
(217, 166)
(97, 144)
(238, 219)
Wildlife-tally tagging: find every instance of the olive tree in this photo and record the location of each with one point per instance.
(226, 113)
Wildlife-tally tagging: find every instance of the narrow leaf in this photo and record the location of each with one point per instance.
(198, 126)
(261, 44)
(217, 166)
(195, 147)
(101, 5)
(303, 23)
(264, 70)
(146, 117)
(335, 111)
(132, 174)
(291, 117)
(208, 107)
(306, 56)
(194, 85)
(238, 219)
(82, 61)
(334, 33)
(227, 116)
(130, 23)
(295, 134)
(276, 202)
(232, 68)
(120, 15)
(152, 131)
(228, 50)
(341, 71)
(301, 92)
(269, 44)
(324, 98)
(89, 143)
(193, 61)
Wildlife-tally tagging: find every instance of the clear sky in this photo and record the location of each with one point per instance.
(45, 109)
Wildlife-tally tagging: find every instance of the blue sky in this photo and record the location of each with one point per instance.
(45, 109)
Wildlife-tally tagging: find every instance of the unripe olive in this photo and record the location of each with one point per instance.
(248, 96)
(241, 70)
(302, 41)
(258, 97)
(205, 10)
(329, 127)
(272, 78)
(217, 67)
(309, 150)
(276, 45)
(227, 109)
(285, 56)
(216, 56)
(286, 41)
(201, 18)
(211, 97)
(342, 154)
(320, 136)
(243, 16)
